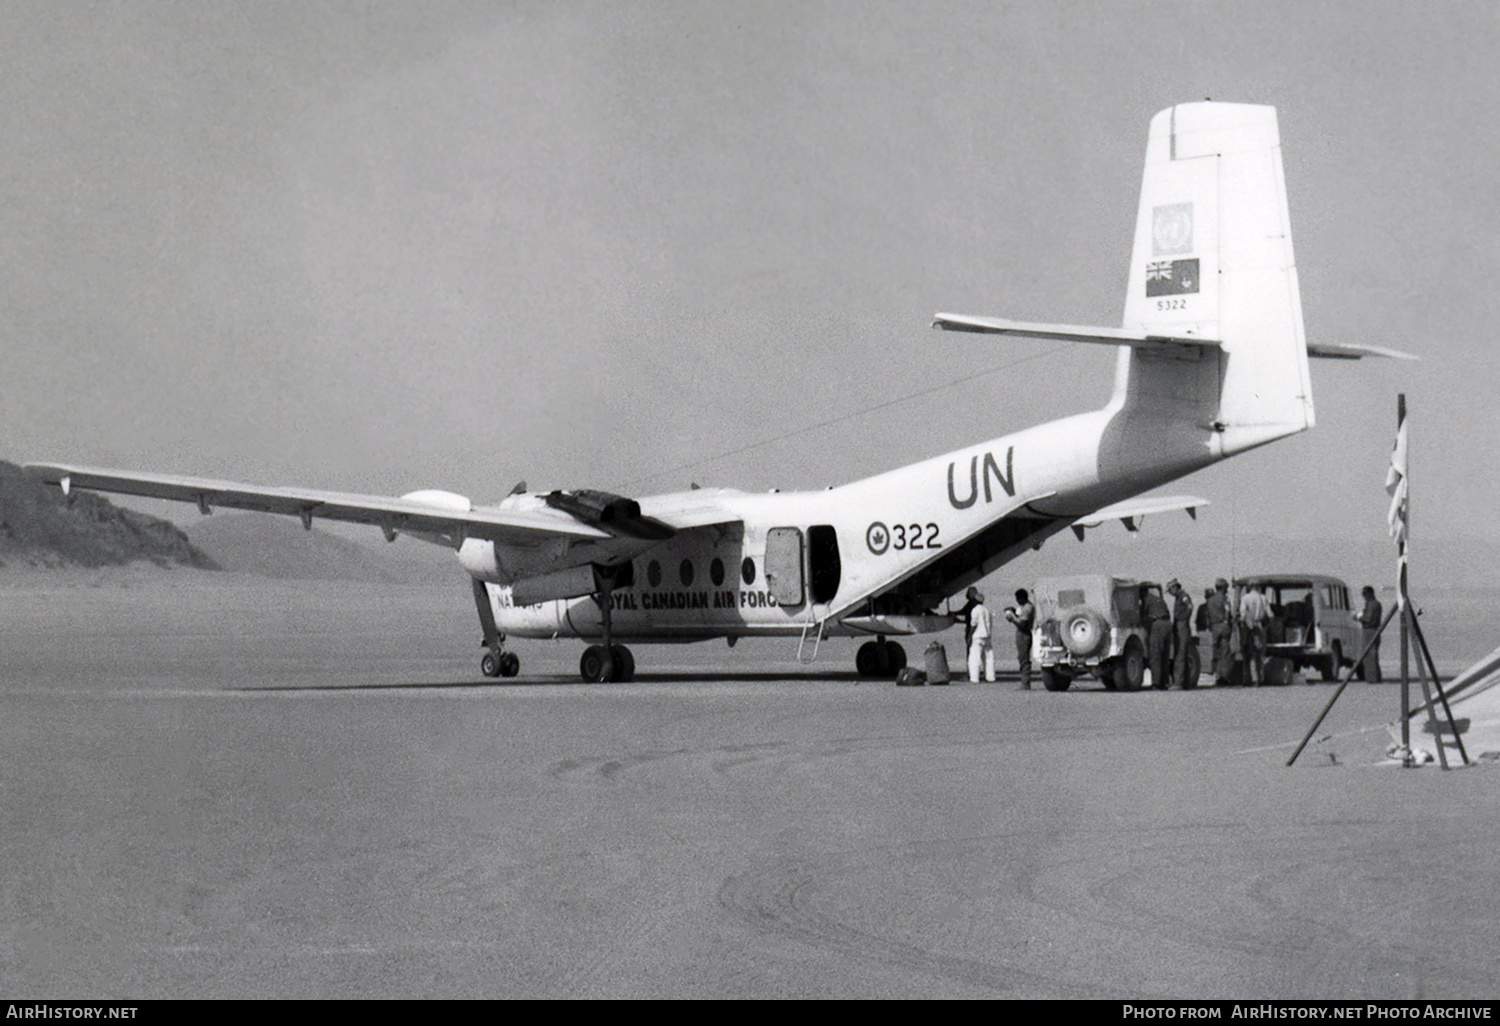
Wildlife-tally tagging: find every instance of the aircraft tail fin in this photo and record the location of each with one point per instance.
(1213, 259)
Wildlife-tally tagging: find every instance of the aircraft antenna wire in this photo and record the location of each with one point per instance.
(850, 416)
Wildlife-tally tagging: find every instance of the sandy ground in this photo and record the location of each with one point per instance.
(305, 790)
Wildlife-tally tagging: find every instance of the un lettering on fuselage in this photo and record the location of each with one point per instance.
(1006, 480)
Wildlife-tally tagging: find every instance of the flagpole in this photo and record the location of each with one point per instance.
(1403, 499)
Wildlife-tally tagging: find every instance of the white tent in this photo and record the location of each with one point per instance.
(1474, 697)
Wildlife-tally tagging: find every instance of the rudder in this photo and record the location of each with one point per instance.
(1213, 258)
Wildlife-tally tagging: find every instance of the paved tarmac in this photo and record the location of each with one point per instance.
(307, 791)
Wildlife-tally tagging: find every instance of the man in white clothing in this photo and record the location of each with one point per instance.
(981, 624)
(1254, 611)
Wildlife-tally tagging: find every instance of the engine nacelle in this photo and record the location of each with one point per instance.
(450, 502)
(609, 511)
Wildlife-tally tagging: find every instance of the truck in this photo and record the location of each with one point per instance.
(1091, 624)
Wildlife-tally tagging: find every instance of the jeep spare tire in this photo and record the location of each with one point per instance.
(1084, 632)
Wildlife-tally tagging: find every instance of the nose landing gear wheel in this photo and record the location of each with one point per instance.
(489, 665)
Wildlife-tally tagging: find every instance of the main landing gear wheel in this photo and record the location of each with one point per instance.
(593, 668)
(624, 663)
(506, 664)
(879, 659)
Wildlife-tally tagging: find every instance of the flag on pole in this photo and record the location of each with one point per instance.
(1395, 487)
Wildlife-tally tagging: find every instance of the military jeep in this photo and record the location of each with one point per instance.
(1091, 624)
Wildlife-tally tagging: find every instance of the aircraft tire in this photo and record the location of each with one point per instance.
(510, 664)
(489, 665)
(867, 661)
(624, 663)
(895, 659)
(591, 665)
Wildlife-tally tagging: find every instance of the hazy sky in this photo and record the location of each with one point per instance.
(377, 247)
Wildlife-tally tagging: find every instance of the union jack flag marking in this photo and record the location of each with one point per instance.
(1172, 277)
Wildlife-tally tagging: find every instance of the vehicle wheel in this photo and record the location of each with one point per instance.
(867, 659)
(624, 663)
(1084, 632)
(489, 665)
(510, 664)
(1106, 673)
(591, 665)
(1131, 671)
(1334, 663)
(895, 659)
(1055, 680)
(1193, 670)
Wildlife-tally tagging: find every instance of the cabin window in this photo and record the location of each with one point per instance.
(686, 572)
(747, 571)
(716, 571)
(653, 573)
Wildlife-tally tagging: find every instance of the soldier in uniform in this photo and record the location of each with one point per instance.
(1158, 635)
(1220, 622)
(1023, 615)
(1369, 619)
(1182, 631)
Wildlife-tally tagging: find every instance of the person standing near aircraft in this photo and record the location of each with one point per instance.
(980, 649)
(1370, 618)
(1254, 612)
(1220, 623)
(1158, 635)
(965, 616)
(1023, 615)
(1182, 631)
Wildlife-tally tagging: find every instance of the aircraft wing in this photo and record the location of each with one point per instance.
(686, 510)
(423, 513)
(1130, 511)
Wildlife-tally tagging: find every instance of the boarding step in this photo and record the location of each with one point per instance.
(815, 626)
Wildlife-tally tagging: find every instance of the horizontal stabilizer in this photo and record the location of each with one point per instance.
(1131, 511)
(1180, 344)
(1337, 352)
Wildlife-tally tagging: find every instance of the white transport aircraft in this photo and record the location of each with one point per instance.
(1212, 362)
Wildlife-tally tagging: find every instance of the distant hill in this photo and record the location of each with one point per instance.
(38, 528)
(279, 547)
